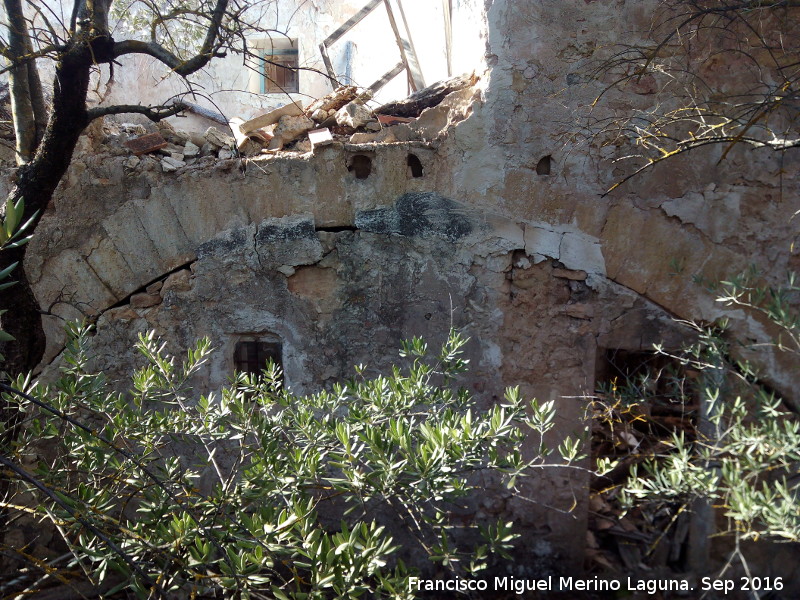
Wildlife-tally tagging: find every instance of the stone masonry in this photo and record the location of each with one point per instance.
(541, 272)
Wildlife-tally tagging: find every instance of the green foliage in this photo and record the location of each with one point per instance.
(181, 26)
(256, 490)
(11, 231)
(743, 454)
(777, 303)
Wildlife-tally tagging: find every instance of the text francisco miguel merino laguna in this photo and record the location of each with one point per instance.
(520, 585)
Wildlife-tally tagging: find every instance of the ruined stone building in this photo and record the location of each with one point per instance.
(475, 214)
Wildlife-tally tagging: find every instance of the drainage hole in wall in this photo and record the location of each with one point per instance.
(414, 166)
(543, 166)
(360, 166)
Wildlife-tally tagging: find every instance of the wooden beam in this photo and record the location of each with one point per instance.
(407, 53)
(344, 28)
(204, 112)
(447, 10)
(292, 109)
(396, 70)
(351, 22)
(323, 50)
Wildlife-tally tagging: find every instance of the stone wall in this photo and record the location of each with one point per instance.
(540, 270)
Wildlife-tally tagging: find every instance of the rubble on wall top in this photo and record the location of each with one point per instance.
(430, 96)
(341, 116)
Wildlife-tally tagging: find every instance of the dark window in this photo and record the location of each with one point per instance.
(644, 375)
(641, 398)
(252, 356)
(280, 73)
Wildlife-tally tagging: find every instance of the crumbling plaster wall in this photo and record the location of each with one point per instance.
(540, 270)
(690, 219)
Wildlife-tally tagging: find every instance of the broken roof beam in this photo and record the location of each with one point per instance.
(388, 76)
(408, 55)
(430, 96)
(203, 112)
(447, 10)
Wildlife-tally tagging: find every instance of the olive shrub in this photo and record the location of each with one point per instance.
(256, 492)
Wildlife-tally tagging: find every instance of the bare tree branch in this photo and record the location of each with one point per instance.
(73, 20)
(25, 476)
(220, 26)
(154, 113)
(210, 48)
(696, 105)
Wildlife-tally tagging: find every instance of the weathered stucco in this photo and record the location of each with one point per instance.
(540, 270)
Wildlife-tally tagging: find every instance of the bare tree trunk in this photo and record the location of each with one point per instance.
(90, 44)
(37, 100)
(36, 182)
(98, 12)
(22, 109)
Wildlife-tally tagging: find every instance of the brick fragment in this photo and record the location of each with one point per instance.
(392, 120)
(146, 143)
(320, 137)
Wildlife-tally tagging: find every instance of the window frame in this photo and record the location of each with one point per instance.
(277, 59)
(266, 346)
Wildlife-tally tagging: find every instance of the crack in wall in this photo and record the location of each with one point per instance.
(336, 228)
(644, 296)
(255, 248)
(98, 313)
(106, 284)
(684, 224)
(142, 289)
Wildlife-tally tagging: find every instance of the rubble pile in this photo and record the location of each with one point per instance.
(341, 116)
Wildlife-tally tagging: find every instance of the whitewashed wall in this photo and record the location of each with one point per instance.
(229, 87)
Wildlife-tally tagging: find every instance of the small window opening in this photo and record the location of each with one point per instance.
(544, 165)
(251, 356)
(414, 166)
(361, 166)
(280, 70)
